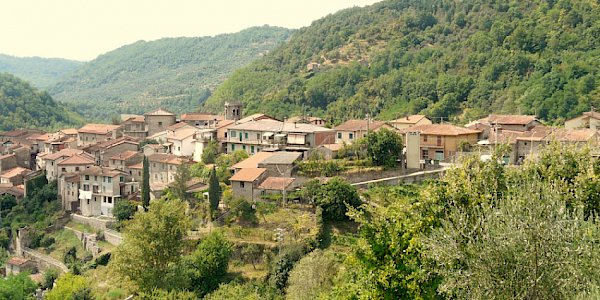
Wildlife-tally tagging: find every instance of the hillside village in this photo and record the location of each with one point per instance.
(99, 164)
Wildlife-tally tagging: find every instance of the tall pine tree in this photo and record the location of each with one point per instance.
(145, 184)
(214, 191)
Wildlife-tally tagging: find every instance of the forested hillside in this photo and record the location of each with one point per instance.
(41, 72)
(23, 106)
(444, 58)
(175, 73)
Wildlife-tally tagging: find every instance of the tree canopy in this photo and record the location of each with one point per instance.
(443, 58)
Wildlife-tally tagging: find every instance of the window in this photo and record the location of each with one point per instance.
(86, 187)
(245, 135)
(87, 177)
(251, 149)
(232, 147)
(424, 138)
(225, 134)
(339, 135)
(439, 140)
(160, 124)
(64, 169)
(244, 147)
(76, 168)
(351, 136)
(178, 148)
(425, 153)
(258, 136)
(88, 201)
(241, 184)
(109, 179)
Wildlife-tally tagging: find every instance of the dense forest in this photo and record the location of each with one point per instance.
(443, 58)
(175, 73)
(41, 72)
(23, 106)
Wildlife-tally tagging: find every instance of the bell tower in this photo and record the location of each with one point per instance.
(233, 111)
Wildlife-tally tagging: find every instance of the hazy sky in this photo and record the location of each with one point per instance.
(83, 29)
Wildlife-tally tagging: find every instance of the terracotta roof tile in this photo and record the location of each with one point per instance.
(14, 172)
(282, 158)
(159, 112)
(509, 119)
(200, 117)
(102, 171)
(182, 133)
(98, 128)
(440, 129)
(413, 119)
(166, 158)
(78, 159)
(17, 261)
(276, 183)
(358, 125)
(248, 174)
(125, 155)
(63, 153)
(252, 161)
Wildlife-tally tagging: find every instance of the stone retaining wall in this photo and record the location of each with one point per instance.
(113, 237)
(91, 221)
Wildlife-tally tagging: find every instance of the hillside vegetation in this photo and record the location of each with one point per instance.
(41, 72)
(444, 58)
(175, 73)
(23, 106)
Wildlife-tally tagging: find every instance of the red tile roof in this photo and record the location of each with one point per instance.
(413, 119)
(440, 129)
(509, 119)
(359, 125)
(166, 158)
(14, 172)
(17, 261)
(248, 174)
(252, 161)
(200, 117)
(78, 159)
(125, 155)
(159, 112)
(63, 153)
(98, 128)
(276, 183)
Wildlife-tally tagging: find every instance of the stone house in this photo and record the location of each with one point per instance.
(182, 141)
(252, 161)
(16, 265)
(201, 120)
(7, 162)
(276, 185)
(103, 151)
(134, 126)
(50, 161)
(270, 135)
(75, 163)
(590, 119)
(510, 122)
(280, 164)
(441, 141)
(69, 191)
(307, 120)
(14, 176)
(530, 143)
(96, 133)
(245, 182)
(352, 130)
(162, 169)
(121, 160)
(409, 121)
(100, 188)
(159, 120)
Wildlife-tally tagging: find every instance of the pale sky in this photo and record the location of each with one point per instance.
(83, 29)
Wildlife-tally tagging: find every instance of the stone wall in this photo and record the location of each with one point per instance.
(44, 262)
(410, 178)
(372, 175)
(89, 241)
(100, 224)
(113, 237)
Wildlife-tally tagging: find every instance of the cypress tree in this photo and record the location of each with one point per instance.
(145, 184)
(214, 190)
